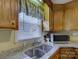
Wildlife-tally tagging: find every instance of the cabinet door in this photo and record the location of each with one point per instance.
(56, 55)
(71, 17)
(68, 19)
(69, 53)
(8, 14)
(4, 13)
(58, 20)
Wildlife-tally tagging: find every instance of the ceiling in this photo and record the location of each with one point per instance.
(60, 1)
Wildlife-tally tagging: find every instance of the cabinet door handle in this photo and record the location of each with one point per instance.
(12, 23)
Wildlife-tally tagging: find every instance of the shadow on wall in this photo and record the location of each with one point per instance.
(5, 35)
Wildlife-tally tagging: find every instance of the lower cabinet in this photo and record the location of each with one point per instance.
(56, 55)
(68, 53)
(65, 53)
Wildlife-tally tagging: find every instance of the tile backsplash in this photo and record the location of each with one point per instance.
(9, 41)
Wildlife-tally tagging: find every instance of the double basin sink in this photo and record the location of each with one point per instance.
(38, 52)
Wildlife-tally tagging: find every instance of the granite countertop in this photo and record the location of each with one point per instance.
(20, 55)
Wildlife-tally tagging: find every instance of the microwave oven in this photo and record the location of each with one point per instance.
(60, 38)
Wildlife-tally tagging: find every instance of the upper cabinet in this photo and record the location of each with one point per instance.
(9, 14)
(58, 18)
(63, 17)
(58, 21)
(71, 16)
(54, 18)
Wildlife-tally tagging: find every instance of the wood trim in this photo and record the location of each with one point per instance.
(58, 7)
(17, 11)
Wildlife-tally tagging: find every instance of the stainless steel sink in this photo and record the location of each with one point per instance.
(38, 52)
(34, 53)
(29, 53)
(45, 48)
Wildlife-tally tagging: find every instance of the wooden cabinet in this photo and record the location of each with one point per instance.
(58, 20)
(9, 14)
(56, 55)
(68, 53)
(68, 19)
(71, 16)
(65, 53)
(62, 17)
